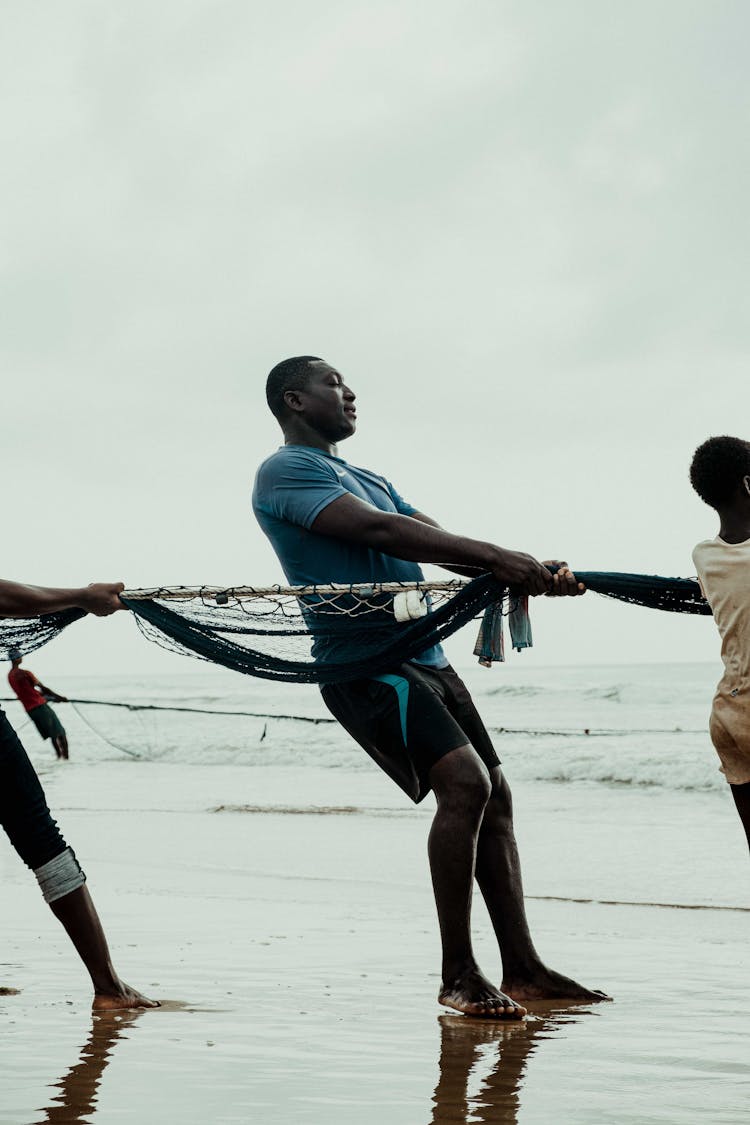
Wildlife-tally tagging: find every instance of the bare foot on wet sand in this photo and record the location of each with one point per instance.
(119, 997)
(4, 991)
(472, 994)
(542, 983)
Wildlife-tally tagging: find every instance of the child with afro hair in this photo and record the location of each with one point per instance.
(720, 474)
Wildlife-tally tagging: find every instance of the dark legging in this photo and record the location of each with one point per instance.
(741, 794)
(23, 808)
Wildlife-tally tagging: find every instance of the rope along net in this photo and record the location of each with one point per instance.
(333, 634)
(313, 634)
(326, 634)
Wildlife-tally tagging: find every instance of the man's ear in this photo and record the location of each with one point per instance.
(292, 401)
(746, 484)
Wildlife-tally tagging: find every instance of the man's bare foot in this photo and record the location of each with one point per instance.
(542, 983)
(4, 991)
(120, 996)
(472, 994)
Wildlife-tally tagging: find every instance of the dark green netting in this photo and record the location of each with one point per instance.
(354, 633)
(274, 637)
(24, 634)
(676, 595)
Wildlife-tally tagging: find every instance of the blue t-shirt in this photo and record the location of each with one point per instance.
(292, 487)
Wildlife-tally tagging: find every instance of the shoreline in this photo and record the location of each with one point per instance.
(299, 958)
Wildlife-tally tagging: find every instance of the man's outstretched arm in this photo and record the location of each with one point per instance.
(454, 568)
(20, 600)
(564, 582)
(421, 540)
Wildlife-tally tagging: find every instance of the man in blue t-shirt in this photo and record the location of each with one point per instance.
(330, 521)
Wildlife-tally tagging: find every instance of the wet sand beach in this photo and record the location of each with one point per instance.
(291, 936)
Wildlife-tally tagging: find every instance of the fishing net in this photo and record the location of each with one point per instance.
(313, 634)
(25, 634)
(327, 634)
(334, 634)
(676, 595)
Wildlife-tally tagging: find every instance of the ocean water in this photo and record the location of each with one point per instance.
(268, 883)
(630, 725)
(618, 795)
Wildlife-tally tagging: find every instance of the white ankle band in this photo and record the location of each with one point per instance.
(60, 876)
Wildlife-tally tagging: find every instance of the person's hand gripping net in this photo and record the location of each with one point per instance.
(521, 572)
(564, 582)
(102, 598)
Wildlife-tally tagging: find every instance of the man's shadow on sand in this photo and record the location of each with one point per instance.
(483, 1064)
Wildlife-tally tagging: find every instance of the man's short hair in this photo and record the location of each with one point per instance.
(718, 467)
(289, 375)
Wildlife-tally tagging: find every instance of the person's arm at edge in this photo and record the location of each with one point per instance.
(20, 600)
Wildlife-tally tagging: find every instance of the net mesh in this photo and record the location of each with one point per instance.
(675, 595)
(328, 634)
(25, 634)
(335, 634)
(320, 634)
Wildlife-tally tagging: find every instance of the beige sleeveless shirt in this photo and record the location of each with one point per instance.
(724, 573)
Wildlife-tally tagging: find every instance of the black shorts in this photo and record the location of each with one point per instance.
(409, 719)
(46, 721)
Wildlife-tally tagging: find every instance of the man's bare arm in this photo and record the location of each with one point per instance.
(418, 541)
(454, 568)
(20, 600)
(564, 582)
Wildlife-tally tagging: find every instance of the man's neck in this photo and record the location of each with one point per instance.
(300, 434)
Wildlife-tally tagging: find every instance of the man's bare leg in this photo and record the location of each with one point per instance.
(741, 794)
(78, 915)
(61, 746)
(498, 870)
(462, 787)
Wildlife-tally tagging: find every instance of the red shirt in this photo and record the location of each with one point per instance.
(23, 684)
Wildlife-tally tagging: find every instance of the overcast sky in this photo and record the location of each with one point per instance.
(518, 228)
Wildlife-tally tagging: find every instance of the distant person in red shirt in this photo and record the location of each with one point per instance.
(35, 699)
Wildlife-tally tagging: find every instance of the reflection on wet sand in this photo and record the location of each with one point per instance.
(76, 1101)
(482, 1066)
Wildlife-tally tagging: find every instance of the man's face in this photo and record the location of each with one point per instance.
(328, 404)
